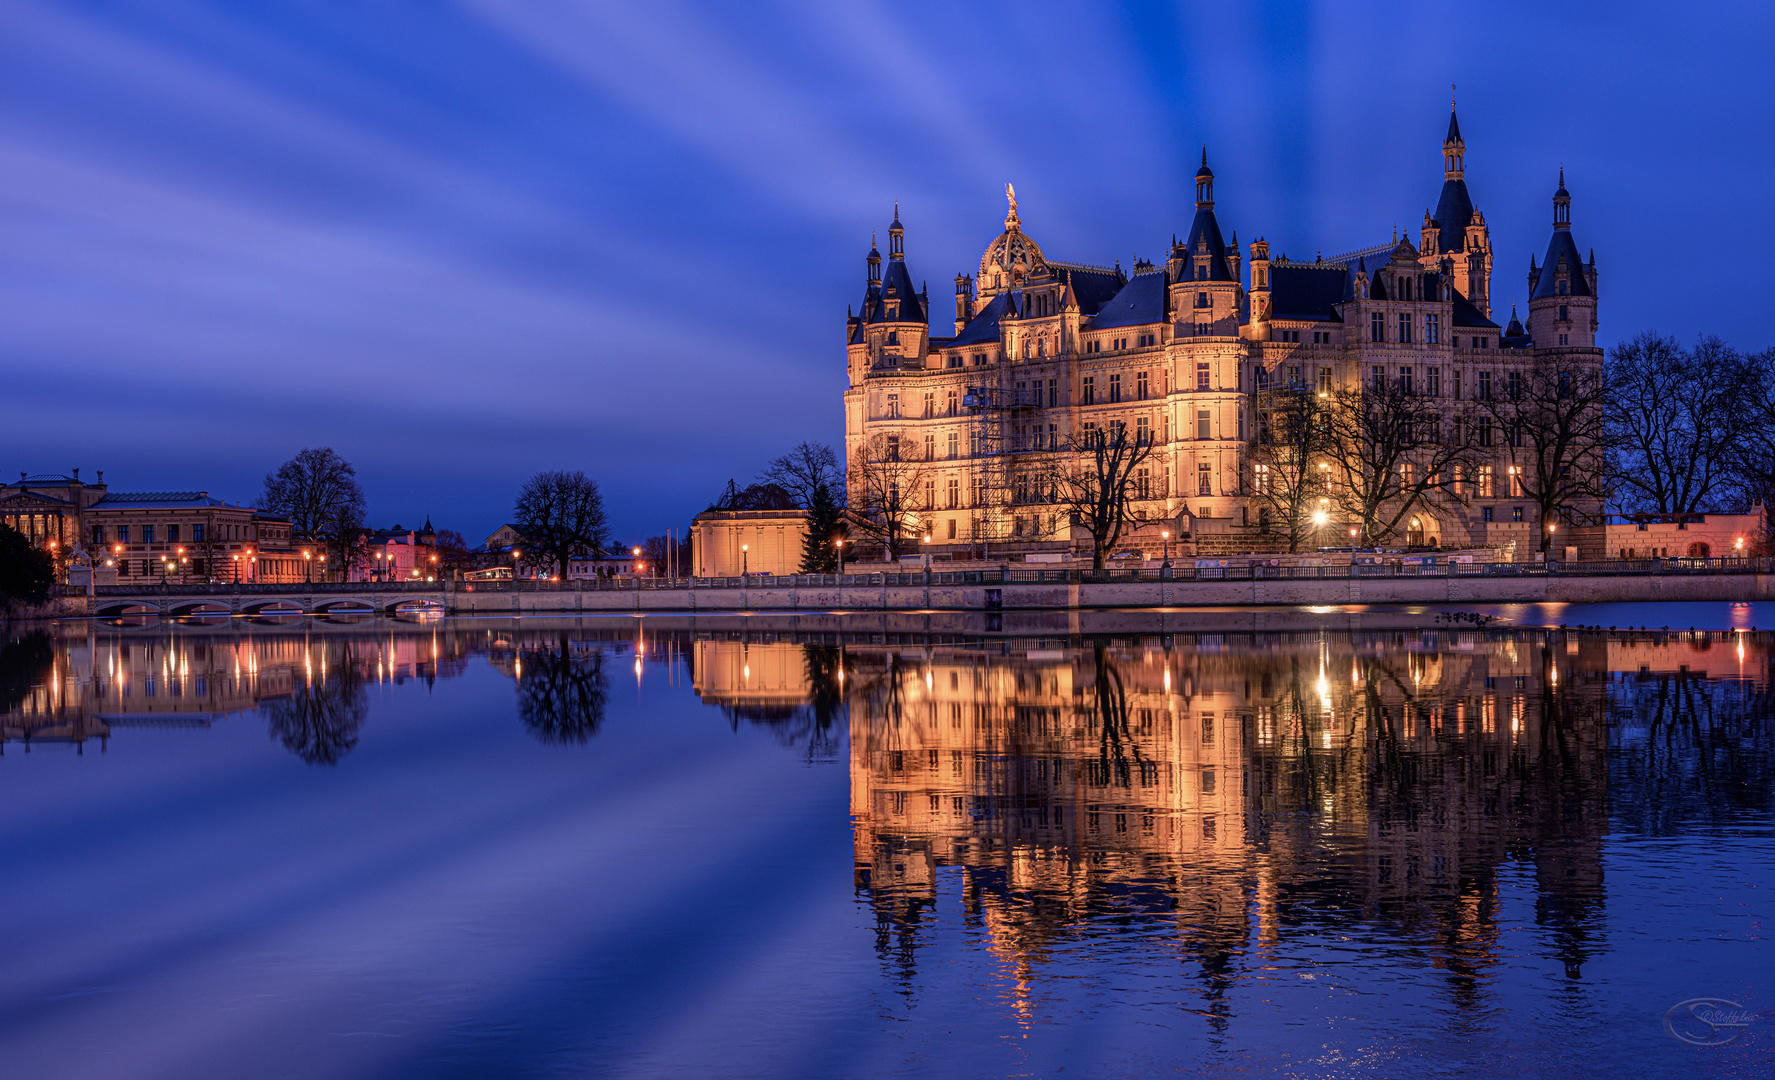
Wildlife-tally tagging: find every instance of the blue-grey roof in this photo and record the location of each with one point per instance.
(984, 326)
(1466, 315)
(1092, 286)
(1139, 303)
(896, 286)
(1546, 284)
(157, 500)
(1308, 292)
(1206, 230)
(1453, 211)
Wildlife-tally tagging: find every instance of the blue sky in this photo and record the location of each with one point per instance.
(462, 243)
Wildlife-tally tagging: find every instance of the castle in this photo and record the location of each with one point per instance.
(1178, 355)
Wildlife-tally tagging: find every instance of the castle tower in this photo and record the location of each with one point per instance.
(1205, 285)
(1562, 291)
(1456, 235)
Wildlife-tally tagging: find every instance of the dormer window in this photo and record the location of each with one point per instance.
(1202, 272)
(893, 337)
(893, 311)
(1564, 287)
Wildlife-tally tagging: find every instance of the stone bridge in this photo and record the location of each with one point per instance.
(293, 599)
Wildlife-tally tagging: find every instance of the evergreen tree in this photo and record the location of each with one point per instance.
(825, 523)
(26, 571)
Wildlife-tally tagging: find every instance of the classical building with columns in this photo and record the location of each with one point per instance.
(1179, 354)
(148, 537)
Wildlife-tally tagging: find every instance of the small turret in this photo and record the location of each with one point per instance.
(1454, 148)
(874, 266)
(1204, 184)
(964, 300)
(896, 237)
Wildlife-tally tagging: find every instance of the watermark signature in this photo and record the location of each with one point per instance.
(1707, 1021)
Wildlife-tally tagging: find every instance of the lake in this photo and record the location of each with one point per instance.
(1373, 842)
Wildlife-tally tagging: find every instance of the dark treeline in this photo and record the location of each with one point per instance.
(1692, 429)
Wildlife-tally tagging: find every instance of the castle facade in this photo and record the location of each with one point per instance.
(1179, 355)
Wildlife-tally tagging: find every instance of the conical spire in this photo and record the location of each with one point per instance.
(1453, 138)
(1204, 183)
(1562, 204)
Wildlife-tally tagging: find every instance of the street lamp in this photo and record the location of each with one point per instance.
(515, 554)
(744, 548)
(1165, 535)
(839, 544)
(236, 559)
(307, 566)
(927, 554)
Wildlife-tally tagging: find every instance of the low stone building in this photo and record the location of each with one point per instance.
(727, 543)
(1667, 536)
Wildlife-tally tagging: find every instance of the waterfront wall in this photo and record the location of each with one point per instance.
(911, 592)
(1027, 596)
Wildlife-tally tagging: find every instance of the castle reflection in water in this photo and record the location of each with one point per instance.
(1228, 791)
(1209, 792)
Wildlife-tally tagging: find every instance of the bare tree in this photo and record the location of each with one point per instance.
(1393, 452)
(454, 554)
(1677, 419)
(318, 492)
(886, 482)
(1753, 452)
(1558, 431)
(1094, 483)
(1291, 459)
(804, 469)
(561, 517)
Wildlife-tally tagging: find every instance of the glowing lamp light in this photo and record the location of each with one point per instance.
(1319, 517)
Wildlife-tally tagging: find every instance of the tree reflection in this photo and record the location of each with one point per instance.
(319, 721)
(812, 724)
(561, 696)
(24, 664)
